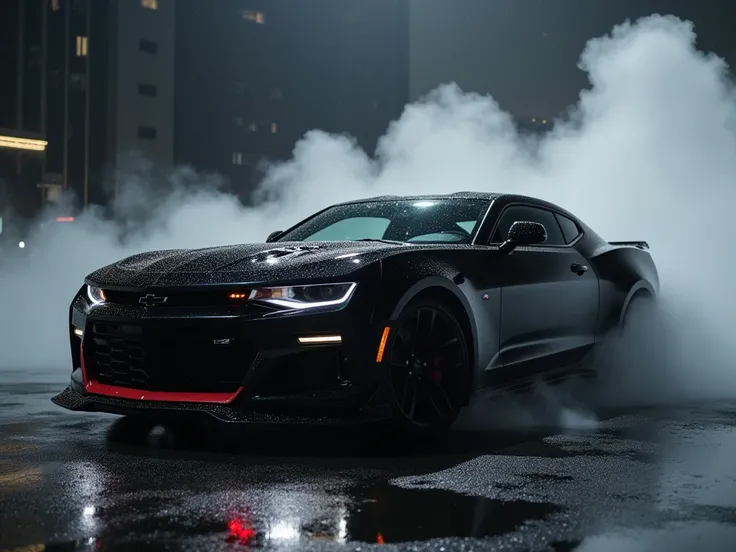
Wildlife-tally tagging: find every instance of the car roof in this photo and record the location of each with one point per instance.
(483, 196)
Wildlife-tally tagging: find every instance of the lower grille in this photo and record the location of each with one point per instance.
(178, 359)
(304, 372)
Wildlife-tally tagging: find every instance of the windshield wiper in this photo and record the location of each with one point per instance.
(381, 240)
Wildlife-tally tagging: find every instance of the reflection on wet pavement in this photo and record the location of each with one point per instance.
(655, 480)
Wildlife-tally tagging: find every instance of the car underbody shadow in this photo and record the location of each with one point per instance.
(488, 427)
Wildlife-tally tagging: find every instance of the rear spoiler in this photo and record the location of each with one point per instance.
(638, 244)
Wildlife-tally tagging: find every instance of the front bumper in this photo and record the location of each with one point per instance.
(74, 399)
(238, 365)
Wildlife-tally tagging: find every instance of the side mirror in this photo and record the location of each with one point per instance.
(273, 236)
(524, 233)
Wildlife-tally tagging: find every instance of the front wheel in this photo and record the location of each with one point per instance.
(428, 367)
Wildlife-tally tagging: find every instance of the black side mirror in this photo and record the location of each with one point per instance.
(273, 236)
(524, 233)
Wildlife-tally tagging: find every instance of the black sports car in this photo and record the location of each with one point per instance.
(398, 308)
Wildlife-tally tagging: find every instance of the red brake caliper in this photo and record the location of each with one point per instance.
(436, 374)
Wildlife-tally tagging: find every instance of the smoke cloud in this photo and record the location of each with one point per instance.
(647, 152)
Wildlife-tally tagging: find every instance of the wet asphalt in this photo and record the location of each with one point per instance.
(632, 480)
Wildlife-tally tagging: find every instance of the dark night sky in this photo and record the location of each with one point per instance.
(525, 52)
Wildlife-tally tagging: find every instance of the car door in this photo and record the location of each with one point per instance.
(549, 296)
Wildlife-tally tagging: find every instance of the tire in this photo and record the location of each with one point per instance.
(615, 341)
(640, 307)
(427, 366)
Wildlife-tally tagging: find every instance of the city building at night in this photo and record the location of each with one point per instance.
(141, 83)
(82, 84)
(90, 88)
(24, 34)
(252, 77)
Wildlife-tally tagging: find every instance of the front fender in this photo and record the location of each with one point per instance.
(426, 283)
(447, 286)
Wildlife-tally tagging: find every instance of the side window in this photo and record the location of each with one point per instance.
(529, 214)
(569, 228)
(467, 225)
(352, 229)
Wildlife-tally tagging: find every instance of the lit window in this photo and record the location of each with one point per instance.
(150, 4)
(237, 158)
(254, 16)
(274, 128)
(54, 5)
(81, 46)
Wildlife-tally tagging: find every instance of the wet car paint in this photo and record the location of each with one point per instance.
(639, 480)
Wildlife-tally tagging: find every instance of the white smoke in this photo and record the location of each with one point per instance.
(649, 153)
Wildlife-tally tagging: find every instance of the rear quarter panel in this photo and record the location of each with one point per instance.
(622, 272)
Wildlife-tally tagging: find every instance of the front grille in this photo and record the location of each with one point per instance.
(187, 298)
(179, 358)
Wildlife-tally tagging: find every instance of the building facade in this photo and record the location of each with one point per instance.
(23, 141)
(140, 80)
(83, 84)
(253, 76)
(91, 90)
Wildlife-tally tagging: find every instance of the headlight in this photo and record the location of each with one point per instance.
(304, 297)
(96, 295)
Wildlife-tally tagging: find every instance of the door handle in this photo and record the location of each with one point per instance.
(578, 269)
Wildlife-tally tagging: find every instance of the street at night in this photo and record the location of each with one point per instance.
(320, 275)
(648, 479)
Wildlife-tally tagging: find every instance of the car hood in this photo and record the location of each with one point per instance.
(245, 263)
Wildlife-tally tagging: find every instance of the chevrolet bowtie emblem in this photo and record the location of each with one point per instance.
(150, 300)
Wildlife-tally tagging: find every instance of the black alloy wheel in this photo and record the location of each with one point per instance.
(428, 366)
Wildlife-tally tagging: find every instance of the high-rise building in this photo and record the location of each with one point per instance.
(253, 76)
(140, 117)
(83, 83)
(23, 137)
(89, 88)
(52, 83)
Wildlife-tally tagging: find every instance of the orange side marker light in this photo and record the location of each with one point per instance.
(382, 344)
(379, 538)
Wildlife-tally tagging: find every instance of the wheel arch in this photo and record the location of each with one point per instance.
(642, 289)
(449, 293)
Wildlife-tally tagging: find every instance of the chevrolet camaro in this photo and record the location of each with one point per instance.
(392, 308)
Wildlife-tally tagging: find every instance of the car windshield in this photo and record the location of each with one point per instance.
(407, 221)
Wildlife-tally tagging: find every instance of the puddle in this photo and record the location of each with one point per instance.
(371, 514)
(402, 515)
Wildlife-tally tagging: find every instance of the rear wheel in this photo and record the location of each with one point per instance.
(428, 367)
(624, 342)
(637, 312)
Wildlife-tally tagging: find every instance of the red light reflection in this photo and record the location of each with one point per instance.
(240, 530)
(64, 219)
